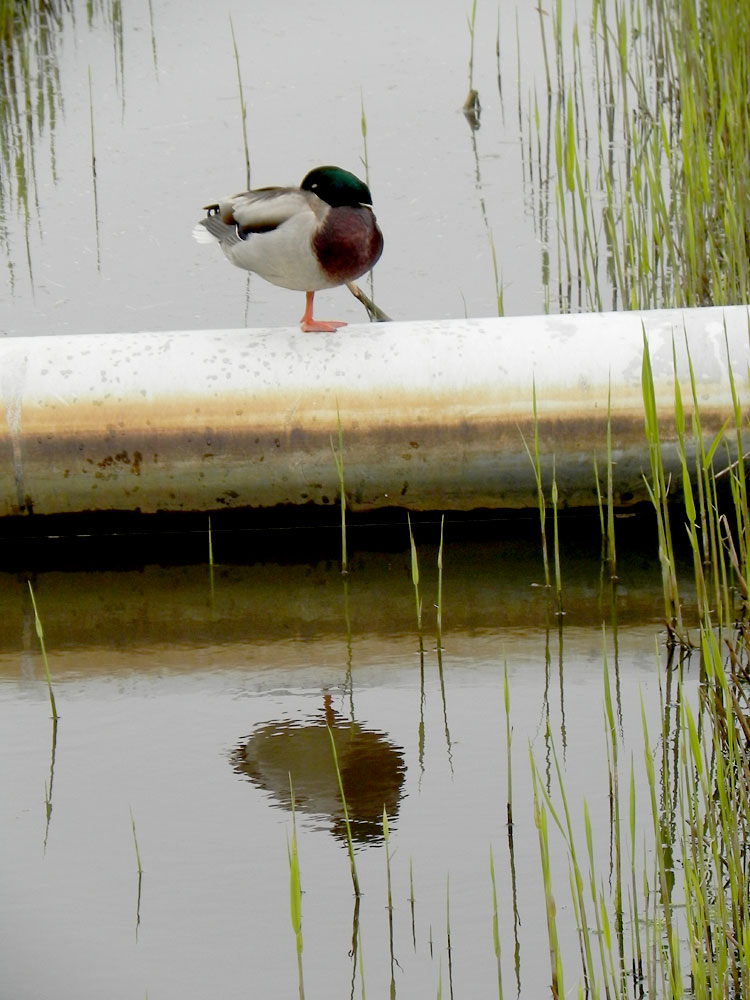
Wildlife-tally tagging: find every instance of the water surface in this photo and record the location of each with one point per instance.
(171, 694)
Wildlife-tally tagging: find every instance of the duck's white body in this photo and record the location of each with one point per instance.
(281, 255)
(319, 235)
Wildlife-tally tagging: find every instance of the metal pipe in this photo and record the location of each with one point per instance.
(433, 414)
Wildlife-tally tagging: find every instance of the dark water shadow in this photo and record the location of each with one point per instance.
(372, 771)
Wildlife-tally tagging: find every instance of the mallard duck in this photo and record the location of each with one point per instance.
(319, 235)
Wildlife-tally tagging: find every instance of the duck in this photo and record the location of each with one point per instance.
(320, 235)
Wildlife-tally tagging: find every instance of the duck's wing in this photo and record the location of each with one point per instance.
(265, 209)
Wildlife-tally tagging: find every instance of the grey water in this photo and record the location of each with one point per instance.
(189, 694)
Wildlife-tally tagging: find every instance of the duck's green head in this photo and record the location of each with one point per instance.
(336, 187)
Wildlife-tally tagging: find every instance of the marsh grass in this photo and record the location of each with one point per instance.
(439, 601)
(211, 582)
(534, 456)
(31, 101)
(658, 491)
(347, 824)
(139, 870)
(686, 930)
(471, 106)
(643, 127)
(607, 513)
(415, 583)
(243, 106)
(496, 929)
(448, 939)
(94, 188)
(295, 893)
(135, 845)
(40, 636)
(338, 458)
(389, 902)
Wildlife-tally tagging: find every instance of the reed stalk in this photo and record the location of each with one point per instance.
(94, 188)
(666, 182)
(347, 824)
(496, 929)
(534, 458)
(40, 636)
(471, 107)
(135, 845)
(211, 566)
(389, 903)
(415, 583)
(658, 491)
(139, 868)
(243, 106)
(295, 893)
(439, 605)
(338, 458)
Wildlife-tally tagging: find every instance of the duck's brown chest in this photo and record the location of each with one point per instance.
(348, 243)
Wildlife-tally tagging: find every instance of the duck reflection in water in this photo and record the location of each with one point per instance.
(372, 771)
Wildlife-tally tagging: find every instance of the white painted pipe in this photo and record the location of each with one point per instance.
(434, 414)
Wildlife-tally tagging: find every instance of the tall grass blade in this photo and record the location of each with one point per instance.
(347, 824)
(139, 867)
(389, 904)
(295, 893)
(440, 585)
(496, 929)
(243, 107)
(94, 187)
(338, 457)
(40, 636)
(415, 582)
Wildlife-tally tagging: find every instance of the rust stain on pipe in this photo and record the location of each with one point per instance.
(433, 415)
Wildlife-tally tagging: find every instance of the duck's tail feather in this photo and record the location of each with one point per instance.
(213, 230)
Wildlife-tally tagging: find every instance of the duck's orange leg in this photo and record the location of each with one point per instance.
(310, 325)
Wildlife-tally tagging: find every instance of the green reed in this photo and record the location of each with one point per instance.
(658, 492)
(651, 175)
(534, 457)
(31, 100)
(439, 602)
(448, 944)
(243, 106)
(347, 824)
(415, 583)
(389, 902)
(139, 868)
(556, 541)
(471, 107)
(496, 929)
(338, 458)
(540, 821)
(690, 922)
(295, 893)
(40, 636)
(135, 845)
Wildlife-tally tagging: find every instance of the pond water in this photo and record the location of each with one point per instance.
(187, 697)
(159, 92)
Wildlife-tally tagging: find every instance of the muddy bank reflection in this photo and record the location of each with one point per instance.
(486, 587)
(372, 771)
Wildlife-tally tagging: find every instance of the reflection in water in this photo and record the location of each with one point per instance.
(372, 770)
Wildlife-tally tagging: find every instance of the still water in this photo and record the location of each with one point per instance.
(187, 698)
(156, 93)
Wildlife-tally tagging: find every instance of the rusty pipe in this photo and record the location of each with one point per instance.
(434, 414)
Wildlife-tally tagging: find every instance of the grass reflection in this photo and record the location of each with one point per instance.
(31, 99)
(646, 150)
